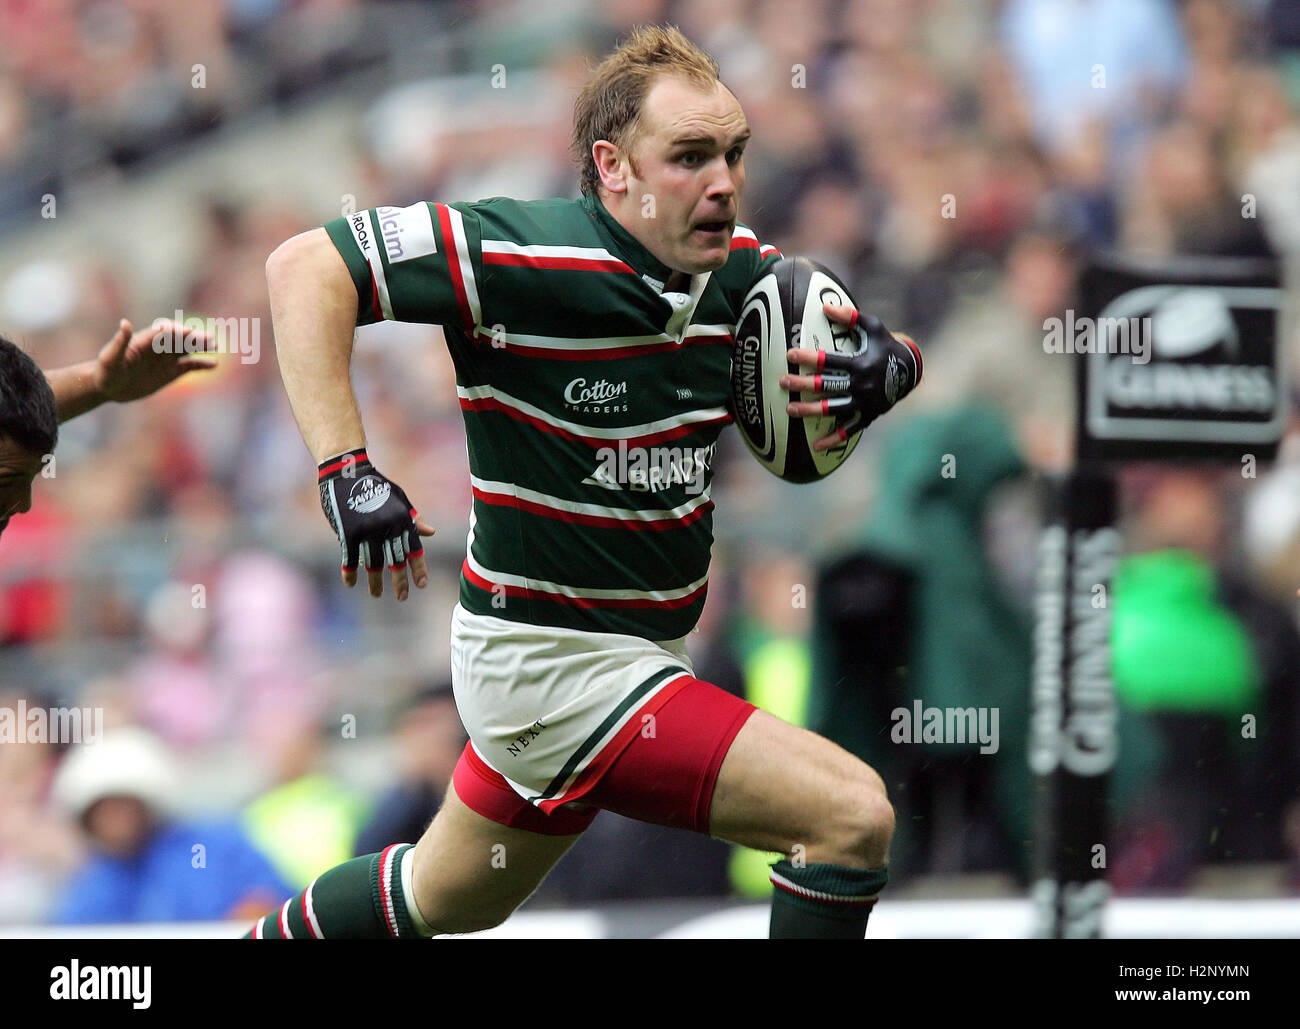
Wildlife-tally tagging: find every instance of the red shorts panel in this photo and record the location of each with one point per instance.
(665, 773)
(483, 789)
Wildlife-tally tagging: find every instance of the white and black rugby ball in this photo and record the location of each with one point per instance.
(783, 309)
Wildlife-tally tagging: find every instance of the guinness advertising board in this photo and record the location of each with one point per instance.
(1179, 359)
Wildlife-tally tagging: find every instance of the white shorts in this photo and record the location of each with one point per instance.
(541, 703)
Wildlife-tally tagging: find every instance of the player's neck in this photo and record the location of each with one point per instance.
(678, 282)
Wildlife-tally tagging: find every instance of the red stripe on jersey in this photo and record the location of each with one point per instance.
(602, 354)
(586, 602)
(374, 294)
(453, 267)
(600, 521)
(745, 243)
(704, 341)
(585, 264)
(493, 404)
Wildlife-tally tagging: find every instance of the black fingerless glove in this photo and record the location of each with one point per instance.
(370, 514)
(861, 387)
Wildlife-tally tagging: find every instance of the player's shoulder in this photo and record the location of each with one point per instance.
(553, 221)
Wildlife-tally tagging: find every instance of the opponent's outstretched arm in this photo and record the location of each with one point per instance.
(129, 366)
(314, 314)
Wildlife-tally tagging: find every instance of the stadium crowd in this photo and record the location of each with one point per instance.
(955, 160)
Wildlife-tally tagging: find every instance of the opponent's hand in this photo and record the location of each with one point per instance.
(375, 523)
(857, 388)
(132, 365)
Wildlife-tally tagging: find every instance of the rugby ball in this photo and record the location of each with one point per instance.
(783, 309)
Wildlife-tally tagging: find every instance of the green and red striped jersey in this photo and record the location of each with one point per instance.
(592, 399)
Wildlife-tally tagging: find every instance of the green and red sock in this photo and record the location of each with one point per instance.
(823, 901)
(366, 898)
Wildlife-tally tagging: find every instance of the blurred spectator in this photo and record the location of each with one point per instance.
(37, 848)
(146, 864)
(1206, 666)
(1118, 61)
(430, 740)
(181, 695)
(308, 821)
(991, 349)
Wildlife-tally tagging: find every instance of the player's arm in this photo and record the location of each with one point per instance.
(131, 365)
(314, 314)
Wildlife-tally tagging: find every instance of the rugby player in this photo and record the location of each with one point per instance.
(33, 403)
(577, 328)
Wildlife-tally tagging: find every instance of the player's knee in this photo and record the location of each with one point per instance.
(864, 825)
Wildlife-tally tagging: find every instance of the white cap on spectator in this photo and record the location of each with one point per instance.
(38, 297)
(126, 762)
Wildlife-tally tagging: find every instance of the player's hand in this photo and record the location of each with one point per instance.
(857, 388)
(132, 365)
(375, 523)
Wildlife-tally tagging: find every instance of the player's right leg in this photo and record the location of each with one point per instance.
(715, 764)
(782, 788)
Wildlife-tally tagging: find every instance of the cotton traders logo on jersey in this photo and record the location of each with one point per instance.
(368, 495)
(599, 397)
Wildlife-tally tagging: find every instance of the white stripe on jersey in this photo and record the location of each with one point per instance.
(466, 265)
(583, 593)
(284, 920)
(623, 514)
(565, 343)
(763, 248)
(505, 246)
(707, 414)
(370, 251)
(311, 911)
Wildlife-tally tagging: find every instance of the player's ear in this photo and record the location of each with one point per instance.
(611, 165)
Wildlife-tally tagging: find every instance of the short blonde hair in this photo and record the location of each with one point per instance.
(609, 105)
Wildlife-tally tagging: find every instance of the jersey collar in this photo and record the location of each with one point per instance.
(626, 247)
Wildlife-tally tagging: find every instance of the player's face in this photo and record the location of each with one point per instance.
(18, 467)
(687, 173)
